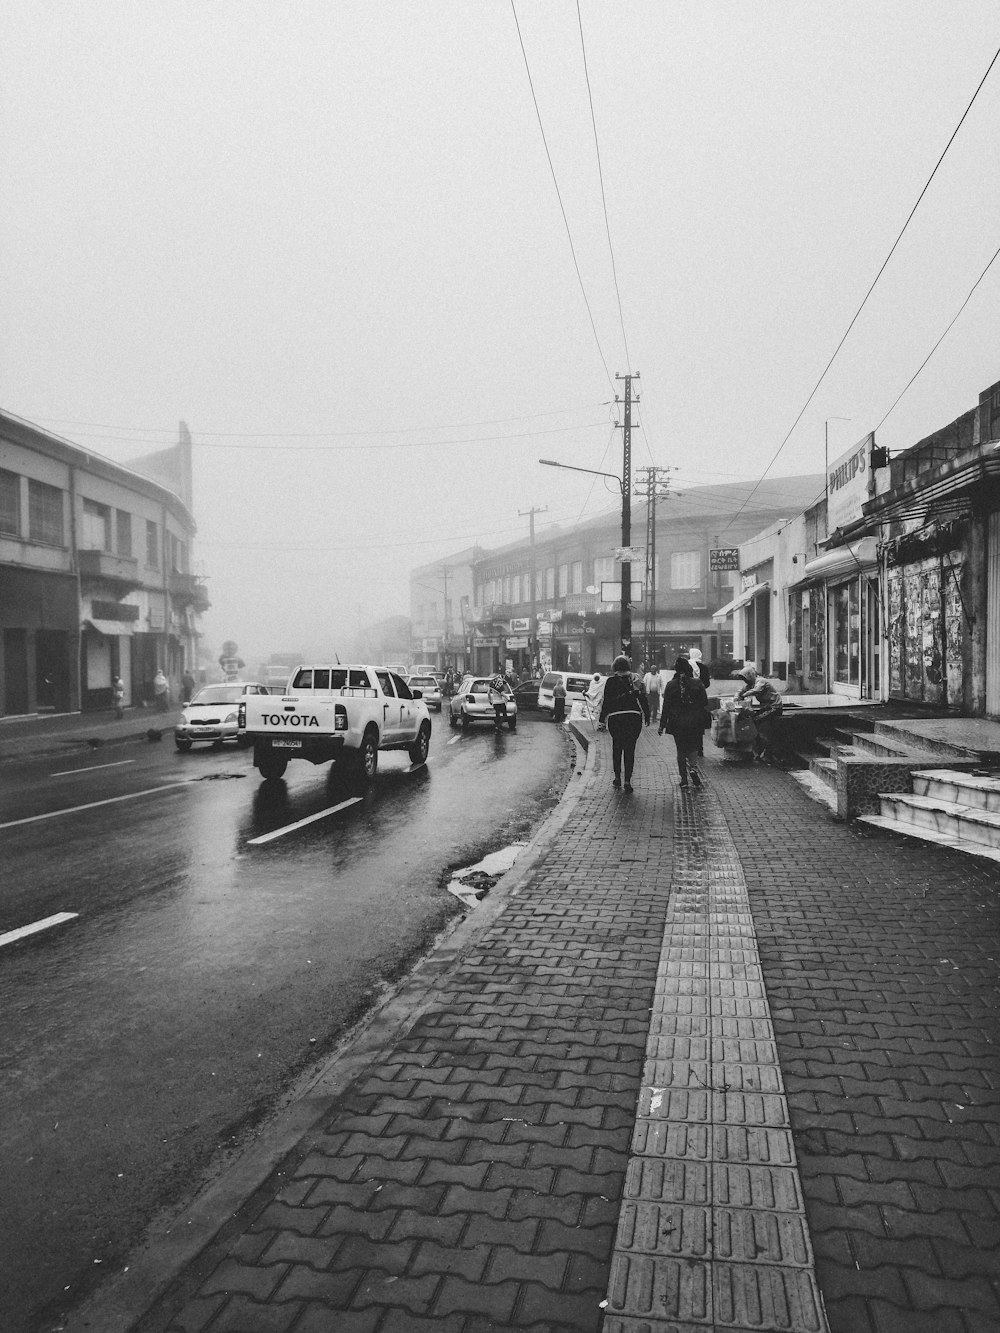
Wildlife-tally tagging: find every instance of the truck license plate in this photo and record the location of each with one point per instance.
(282, 744)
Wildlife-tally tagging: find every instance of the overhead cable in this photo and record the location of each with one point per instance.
(878, 275)
(562, 208)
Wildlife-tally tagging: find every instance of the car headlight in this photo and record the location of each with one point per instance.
(230, 717)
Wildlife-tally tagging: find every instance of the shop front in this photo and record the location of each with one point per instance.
(837, 622)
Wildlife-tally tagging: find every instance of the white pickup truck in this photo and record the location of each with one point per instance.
(344, 713)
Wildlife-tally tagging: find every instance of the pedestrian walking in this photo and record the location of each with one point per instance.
(187, 685)
(161, 692)
(498, 698)
(684, 714)
(700, 669)
(651, 682)
(625, 708)
(559, 701)
(118, 696)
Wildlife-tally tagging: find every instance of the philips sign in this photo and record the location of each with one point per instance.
(849, 484)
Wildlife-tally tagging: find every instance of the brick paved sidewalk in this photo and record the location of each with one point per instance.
(475, 1178)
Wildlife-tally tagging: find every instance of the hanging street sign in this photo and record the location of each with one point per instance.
(630, 554)
(724, 557)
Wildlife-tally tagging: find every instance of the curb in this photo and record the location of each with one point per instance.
(173, 1245)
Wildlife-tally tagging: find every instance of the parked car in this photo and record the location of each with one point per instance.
(429, 687)
(577, 684)
(526, 694)
(472, 704)
(211, 715)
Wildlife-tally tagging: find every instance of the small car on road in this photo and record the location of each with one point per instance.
(576, 682)
(429, 687)
(471, 703)
(211, 714)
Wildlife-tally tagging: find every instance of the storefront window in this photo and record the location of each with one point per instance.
(846, 601)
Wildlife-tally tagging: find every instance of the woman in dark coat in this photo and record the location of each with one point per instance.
(624, 708)
(685, 707)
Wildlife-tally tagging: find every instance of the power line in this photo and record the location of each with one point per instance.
(600, 176)
(941, 339)
(562, 208)
(348, 448)
(324, 434)
(878, 275)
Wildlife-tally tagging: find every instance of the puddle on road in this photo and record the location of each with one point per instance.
(473, 884)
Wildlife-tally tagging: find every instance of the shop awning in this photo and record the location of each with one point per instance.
(856, 558)
(109, 628)
(747, 595)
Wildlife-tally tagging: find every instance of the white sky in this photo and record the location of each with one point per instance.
(333, 225)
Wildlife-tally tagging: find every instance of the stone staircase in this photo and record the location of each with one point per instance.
(949, 807)
(932, 778)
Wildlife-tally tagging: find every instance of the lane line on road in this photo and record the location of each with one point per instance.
(454, 740)
(92, 768)
(36, 926)
(92, 805)
(310, 819)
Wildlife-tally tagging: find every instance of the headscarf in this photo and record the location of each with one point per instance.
(694, 655)
(749, 674)
(682, 667)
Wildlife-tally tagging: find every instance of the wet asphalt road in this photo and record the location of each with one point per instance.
(144, 1038)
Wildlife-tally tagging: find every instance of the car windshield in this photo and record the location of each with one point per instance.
(421, 681)
(219, 694)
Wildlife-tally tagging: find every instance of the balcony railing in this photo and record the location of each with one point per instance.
(188, 590)
(118, 569)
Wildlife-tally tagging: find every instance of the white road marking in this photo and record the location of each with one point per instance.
(310, 819)
(92, 805)
(91, 769)
(454, 740)
(36, 926)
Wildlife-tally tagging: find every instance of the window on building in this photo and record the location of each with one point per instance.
(95, 534)
(563, 580)
(152, 544)
(539, 584)
(576, 576)
(604, 569)
(10, 503)
(45, 513)
(550, 582)
(123, 525)
(685, 570)
(176, 554)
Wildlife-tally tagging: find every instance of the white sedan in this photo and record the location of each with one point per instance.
(429, 687)
(212, 713)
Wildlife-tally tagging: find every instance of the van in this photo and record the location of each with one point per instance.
(577, 684)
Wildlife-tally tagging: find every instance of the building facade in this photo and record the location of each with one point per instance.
(556, 602)
(441, 612)
(95, 573)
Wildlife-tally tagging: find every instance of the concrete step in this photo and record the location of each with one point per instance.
(962, 822)
(887, 746)
(825, 770)
(956, 738)
(932, 836)
(979, 791)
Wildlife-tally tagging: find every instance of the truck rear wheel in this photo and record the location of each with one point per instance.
(366, 762)
(418, 750)
(271, 766)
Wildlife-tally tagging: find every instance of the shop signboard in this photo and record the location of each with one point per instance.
(612, 592)
(724, 558)
(849, 483)
(519, 642)
(520, 625)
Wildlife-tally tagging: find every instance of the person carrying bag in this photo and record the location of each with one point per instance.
(685, 707)
(623, 709)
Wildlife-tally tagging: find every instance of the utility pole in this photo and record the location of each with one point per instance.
(444, 574)
(626, 590)
(650, 486)
(533, 624)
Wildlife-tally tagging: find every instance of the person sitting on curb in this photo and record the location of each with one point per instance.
(765, 717)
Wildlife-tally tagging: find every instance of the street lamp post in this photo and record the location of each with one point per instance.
(626, 609)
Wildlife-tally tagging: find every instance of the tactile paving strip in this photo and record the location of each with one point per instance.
(712, 1232)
